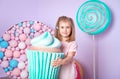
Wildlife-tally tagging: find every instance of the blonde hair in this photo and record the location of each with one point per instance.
(65, 19)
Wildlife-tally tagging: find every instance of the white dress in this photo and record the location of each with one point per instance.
(68, 71)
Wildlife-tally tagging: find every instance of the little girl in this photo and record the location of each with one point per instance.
(65, 32)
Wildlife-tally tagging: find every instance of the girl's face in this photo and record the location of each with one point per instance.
(64, 29)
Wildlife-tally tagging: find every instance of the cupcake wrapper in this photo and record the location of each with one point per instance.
(39, 64)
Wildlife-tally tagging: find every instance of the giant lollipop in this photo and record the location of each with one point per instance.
(93, 17)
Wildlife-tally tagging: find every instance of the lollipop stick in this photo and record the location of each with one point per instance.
(94, 71)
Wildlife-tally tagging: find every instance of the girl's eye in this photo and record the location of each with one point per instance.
(62, 27)
(68, 27)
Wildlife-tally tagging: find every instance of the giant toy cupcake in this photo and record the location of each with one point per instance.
(44, 49)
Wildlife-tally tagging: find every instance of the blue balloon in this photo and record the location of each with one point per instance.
(1, 54)
(13, 63)
(20, 24)
(32, 30)
(1, 39)
(6, 69)
(4, 44)
(31, 22)
(10, 68)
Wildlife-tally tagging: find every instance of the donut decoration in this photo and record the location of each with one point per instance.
(93, 17)
(13, 45)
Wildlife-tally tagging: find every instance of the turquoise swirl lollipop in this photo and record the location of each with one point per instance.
(93, 17)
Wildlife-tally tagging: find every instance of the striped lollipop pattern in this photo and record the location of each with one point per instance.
(93, 17)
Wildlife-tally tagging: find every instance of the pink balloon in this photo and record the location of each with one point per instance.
(6, 37)
(4, 58)
(27, 30)
(5, 64)
(12, 38)
(16, 72)
(16, 38)
(17, 48)
(24, 24)
(3, 49)
(37, 26)
(8, 53)
(23, 57)
(22, 51)
(21, 28)
(22, 37)
(12, 31)
(8, 73)
(13, 49)
(13, 43)
(16, 54)
(27, 41)
(28, 24)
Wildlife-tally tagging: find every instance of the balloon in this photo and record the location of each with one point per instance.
(93, 17)
(5, 64)
(1, 39)
(20, 24)
(8, 53)
(31, 22)
(6, 69)
(23, 57)
(16, 54)
(27, 42)
(24, 74)
(24, 24)
(21, 65)
(37, 27)
(16, 72)
(1, 54)
(13, 43)
(4, 44)
(10, 68)
(13, 63)
(6, 37)
(22, 37)
(8, 73)
(26, 30)
(22, 45)
(32, 30)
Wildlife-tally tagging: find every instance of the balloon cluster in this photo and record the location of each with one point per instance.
(13, 44)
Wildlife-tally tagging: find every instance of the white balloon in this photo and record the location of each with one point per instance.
(21, 65)
(24, 74)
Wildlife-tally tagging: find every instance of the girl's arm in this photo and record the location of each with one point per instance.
(68, 58)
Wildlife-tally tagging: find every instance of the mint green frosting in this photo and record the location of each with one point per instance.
(46, 40)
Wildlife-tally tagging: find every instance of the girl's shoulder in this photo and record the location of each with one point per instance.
(73, 42)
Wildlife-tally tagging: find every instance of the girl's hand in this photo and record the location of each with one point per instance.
(57, 62)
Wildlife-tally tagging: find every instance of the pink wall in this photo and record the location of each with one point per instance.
(107, 43)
